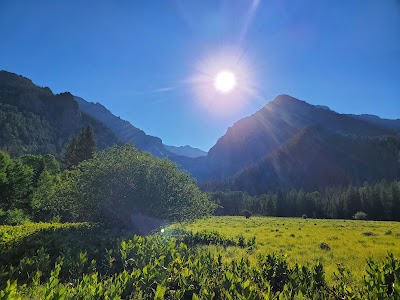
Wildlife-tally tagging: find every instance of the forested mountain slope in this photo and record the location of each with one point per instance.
(34, 120)
(317, 158)
(254, 137)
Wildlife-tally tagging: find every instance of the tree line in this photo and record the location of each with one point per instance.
(119, 186)
(380, 201)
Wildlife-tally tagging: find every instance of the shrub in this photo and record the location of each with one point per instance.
(324, 246)
(360, 215)
(13, 217)
(246, 213)
(121, 186)
(369, 233)
(241, 241)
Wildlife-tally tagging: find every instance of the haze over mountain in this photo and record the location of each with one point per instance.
(186, 151)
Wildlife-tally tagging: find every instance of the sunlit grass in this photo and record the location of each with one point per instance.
(9, 233)
(351, 242)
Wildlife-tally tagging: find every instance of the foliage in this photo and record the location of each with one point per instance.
(380, 201)
(300, 240)
(121, 186)
(316, 158)
(15, 182)
(81, 147)
(324, 246)
(246, 213)
(160, 267)
(34, 120)
(206, 237)
(360, 215)
(24, 132)
(24, 182)
(13, 217)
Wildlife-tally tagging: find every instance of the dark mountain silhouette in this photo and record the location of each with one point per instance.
(34, 120)
(316, 158)
(254, 137)
(187, 151)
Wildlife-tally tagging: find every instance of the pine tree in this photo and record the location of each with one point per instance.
(87, 143)
(81, 147)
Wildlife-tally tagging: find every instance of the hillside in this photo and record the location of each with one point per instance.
(254, 137)
(316, 158)
(34, 120)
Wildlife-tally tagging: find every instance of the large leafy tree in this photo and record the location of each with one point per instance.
(26, 181)
(15, 183)
(121, 183)
(81, 147)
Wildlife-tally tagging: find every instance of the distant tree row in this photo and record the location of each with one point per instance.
(380, 201)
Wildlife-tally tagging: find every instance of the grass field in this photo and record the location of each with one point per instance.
(12, 234)
(87, 261)
(350, 243)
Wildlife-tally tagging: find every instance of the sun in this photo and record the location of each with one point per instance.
(225, 81)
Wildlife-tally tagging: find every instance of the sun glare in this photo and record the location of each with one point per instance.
(225, 81)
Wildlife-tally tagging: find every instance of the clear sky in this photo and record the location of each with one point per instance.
(148, 61)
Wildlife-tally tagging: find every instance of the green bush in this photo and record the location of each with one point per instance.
(121, 186)
(246, 213)
(14, 217)
(324, 246)
(360, 215)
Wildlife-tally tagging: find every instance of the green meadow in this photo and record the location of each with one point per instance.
(214, 258)
(307, 241)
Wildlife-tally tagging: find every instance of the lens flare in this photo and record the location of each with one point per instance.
(225, 81)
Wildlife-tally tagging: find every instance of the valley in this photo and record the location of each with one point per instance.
(200, 150)
(94, 208)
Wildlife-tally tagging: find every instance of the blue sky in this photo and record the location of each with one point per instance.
(139, 58)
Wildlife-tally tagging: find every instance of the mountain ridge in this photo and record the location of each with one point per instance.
(316, 158)
(253, 137)
(186, 150)
(34, 120)
(123, 129)
(259, 141)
